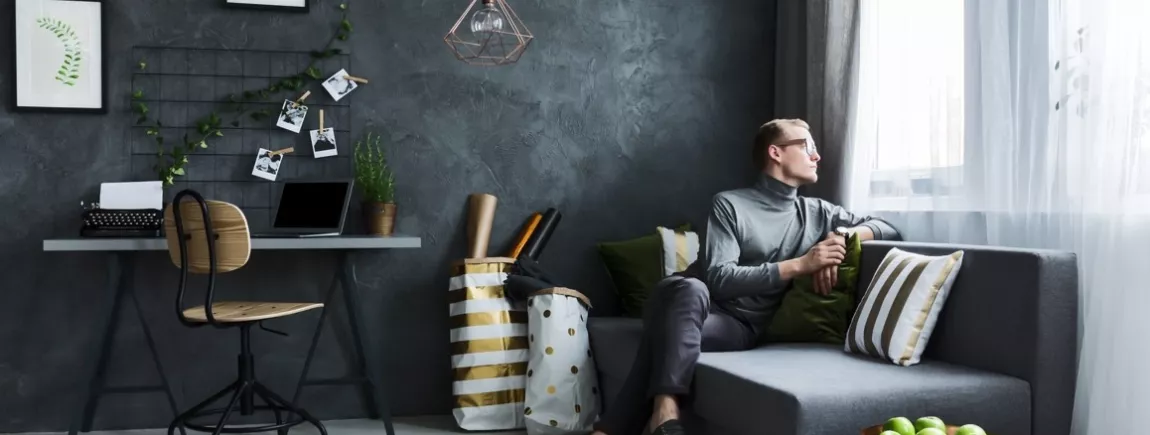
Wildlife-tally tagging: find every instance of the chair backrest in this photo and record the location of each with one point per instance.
(233, 239)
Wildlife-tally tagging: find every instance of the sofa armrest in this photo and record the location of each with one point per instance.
(1011, 311)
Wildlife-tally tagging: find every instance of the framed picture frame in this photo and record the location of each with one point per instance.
(60, 50)
(277, 5)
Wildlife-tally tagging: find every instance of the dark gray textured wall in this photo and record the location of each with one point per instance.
(624, 114)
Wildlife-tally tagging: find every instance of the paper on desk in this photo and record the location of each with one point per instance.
(132, 195)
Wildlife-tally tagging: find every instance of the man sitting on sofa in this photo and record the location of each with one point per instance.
(758, 238)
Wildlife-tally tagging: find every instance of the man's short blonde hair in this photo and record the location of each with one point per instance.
(770, 133)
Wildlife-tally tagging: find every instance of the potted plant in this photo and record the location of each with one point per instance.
(375, 178)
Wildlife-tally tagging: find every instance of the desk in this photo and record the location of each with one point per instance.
(121, 267)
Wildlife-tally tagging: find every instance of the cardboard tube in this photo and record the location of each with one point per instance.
(480, 217)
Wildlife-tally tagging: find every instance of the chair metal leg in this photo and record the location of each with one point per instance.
(240, 392)
(275, 407)
(365, 363)
(178, 421)
(245, 389)
(265, 392)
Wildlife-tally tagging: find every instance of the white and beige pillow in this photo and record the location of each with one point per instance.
(680, 249)
(901, 305)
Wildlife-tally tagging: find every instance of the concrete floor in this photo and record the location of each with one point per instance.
(430, 425)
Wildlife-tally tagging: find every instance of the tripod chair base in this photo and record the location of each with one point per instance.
(243, 393)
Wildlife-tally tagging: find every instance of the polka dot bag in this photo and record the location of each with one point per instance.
(562, 386)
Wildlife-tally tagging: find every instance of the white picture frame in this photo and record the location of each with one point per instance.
(277, 5)
(60, 52)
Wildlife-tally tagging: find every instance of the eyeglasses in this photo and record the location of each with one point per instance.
(808, 145)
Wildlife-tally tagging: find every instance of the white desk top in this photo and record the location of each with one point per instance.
(394, 241)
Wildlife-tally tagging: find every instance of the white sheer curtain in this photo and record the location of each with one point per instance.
(1022, 123)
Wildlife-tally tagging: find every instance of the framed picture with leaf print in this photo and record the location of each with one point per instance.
(277, 5)
(60, 50)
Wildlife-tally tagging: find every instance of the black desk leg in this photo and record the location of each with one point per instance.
(101, 350)
(374, 399)
(315, 338)
(164, 384)
(121, 271)
(366, 364)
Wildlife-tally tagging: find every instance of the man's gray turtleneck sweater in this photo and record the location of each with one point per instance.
(751, 230)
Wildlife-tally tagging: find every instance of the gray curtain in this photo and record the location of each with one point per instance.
(815, 77)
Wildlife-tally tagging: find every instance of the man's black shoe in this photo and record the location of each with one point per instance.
(669, 427)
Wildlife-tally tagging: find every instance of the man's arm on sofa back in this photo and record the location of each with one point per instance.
(1011, 311)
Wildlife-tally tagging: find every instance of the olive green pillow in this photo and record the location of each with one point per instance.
(635, 265)
(807, 317)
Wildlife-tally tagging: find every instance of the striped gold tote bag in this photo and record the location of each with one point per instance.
(488, 347)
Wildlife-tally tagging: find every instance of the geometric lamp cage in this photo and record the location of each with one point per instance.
(488, 35)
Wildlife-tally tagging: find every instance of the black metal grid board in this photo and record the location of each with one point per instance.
(181, 85)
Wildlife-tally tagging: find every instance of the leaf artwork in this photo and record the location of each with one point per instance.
(69, 71)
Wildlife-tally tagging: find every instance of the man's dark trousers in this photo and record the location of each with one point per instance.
(678, 324)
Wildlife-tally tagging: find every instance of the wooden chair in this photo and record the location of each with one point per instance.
(212, 237)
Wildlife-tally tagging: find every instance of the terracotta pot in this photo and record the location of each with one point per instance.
(379, 218)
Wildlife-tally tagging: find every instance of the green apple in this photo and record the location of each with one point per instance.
(931, 431)
(889, 432)
(929, 422)
(970, 429)
(900, 426)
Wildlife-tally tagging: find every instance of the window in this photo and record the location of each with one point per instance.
(915, 62)
(1000, 106)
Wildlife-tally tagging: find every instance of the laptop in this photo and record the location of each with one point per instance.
(311, 209)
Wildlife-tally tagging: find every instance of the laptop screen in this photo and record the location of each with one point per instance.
(312, 205)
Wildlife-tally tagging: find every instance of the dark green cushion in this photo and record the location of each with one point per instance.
(635, 265)
(807, 317)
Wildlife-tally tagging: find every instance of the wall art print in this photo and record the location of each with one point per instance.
(59, 56)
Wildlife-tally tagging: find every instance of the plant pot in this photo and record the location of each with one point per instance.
(379, 218)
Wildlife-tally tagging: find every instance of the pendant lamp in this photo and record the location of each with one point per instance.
(488, 35)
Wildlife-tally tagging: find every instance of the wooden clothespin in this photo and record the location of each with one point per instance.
(302, 97)
(321, 120)
(355, 79)
(283, 151)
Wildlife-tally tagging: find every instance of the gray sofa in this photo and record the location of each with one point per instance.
(1003, 355)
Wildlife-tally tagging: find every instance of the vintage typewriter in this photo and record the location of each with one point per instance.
(123, 223)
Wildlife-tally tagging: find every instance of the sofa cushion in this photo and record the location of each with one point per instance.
(807, 317)
(898, 312)
(635, 265)
(815, 389)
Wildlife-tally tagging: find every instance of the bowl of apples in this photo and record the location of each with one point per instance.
(922, 426)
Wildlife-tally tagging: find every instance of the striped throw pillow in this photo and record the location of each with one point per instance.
(680, 249)
(896, 315)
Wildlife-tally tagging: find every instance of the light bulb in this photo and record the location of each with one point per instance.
(487, 19)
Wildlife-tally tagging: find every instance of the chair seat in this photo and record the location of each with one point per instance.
(240, 311)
